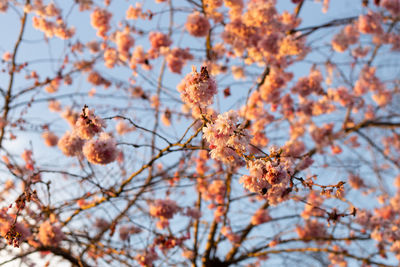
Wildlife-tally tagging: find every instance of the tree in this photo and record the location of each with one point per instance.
(200, 133)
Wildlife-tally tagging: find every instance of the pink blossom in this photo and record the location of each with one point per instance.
(312, 229)
(215, 191)
(312, 208)
(198, 89)
(93, 47)
(164, 208)
(102, 150)
(395, 248)
(70, 116)
(124, 43)
(268, 178)
(7, 56)
(139, 57)
(51, 28)
(260, 216)
(70, 144)
(123, 128)
(227, 232)
(322, 136)
(273, 84)
(15, 233)
(270, 43)
(54, 106)
(166, 117)
(227, 140)
(370, 23)
(127, 230)
(360, 52)
(382, 98)
(197, 25)
(100, 20)
(3, 5)
(308, 85)
(177, 58)
(96, 79)
(193, 213)
(53, 86)
(50, 139)
(110, 57)
(393, 6)
(88, 124)
(159, 39)
(347, 36)
(50, 234)
(134, 12)
(368, 81)
(147, 257)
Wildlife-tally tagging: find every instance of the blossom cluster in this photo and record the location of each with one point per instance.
(198, 89)
(313, 229)
(50, 234)
(14, 232)
(164, 209)
(227, 140)
(43, 21)
(102, 150)
(268, 177)
(197, 25)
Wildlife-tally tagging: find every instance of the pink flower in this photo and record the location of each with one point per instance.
(163, 208)
(110, 57)
(370, 23)
(127, 230)
(215, 191)
(70, 116)
(123, 128)
(260, 216)
(124, 43)
(50, 234)
(15, 233)
(393, 6)
(7, 56)
(50, 139)
(198, 89)
(311, 84)
(139, 57)
(70, 144)
(271, 88)
(197, 25)
(102, 150)
(193, 213)
(100, 20)
(268, 178)
(134, 12)
(322, 136)
(312, 229)
(147, 257)
(177, 58)
(228, 140)
(270, 43)
(54, 106)
(347, 36)
(88, 124)
(166, 117)
(53, 86)
(368, 81)
(227, 232)
(158, 40)
(96, 79)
